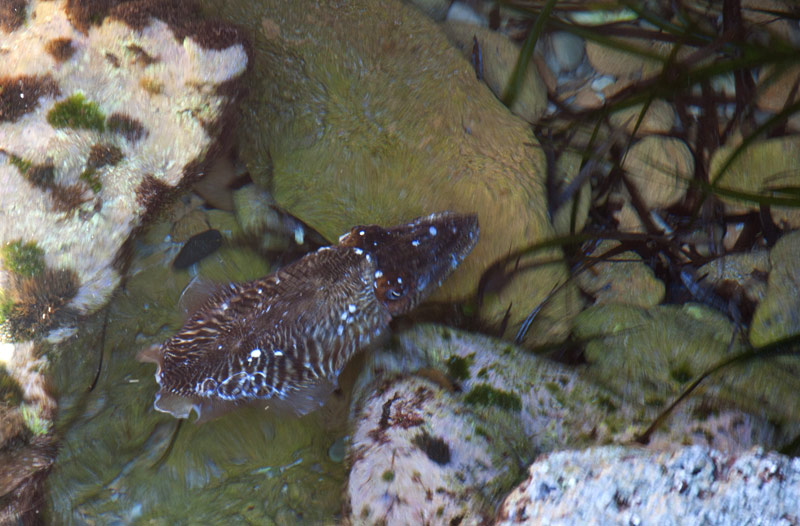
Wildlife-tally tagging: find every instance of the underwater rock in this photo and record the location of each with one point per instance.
(283, 340)
(105, 108)
(365, 113)
(498, 60)
(691, 485)
(472, 391)
(621, 278)
(490, 403)
(778, 314)
(414, 455)
(768, 167)
(660, 169)
(649, 355)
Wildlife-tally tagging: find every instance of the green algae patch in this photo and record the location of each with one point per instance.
(6, 307)
(388, 476)
(458, 367)
(648, 355)
(484, 394)
(25, 259)
(23, 165)
(91, 178)
(10, 391)
(76, 112)
(34, 421)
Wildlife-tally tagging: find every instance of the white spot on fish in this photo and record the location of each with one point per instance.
(225, 306)
(339, 330)
(277, 280)
(360, 232)
(255, 354)
(299, 234)
(378, 274)
(432, 230)
(454, 260)
(351, 308)
(358, 251)
(343, 316)
(349, 319)
(399, 279)
(415, 243)
(277, 352)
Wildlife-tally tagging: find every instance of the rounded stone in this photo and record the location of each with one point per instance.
(567, 50)
(660, 169)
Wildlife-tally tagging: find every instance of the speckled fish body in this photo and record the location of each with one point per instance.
(284, 338)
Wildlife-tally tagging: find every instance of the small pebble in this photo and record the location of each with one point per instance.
(198, 247)
(337, 450)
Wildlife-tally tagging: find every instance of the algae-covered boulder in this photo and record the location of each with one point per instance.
(105, 107)
(778, 315)
(362, 112)
(648, 355)
(456, 416)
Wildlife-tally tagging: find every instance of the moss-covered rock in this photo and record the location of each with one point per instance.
(87, 153)
(778, 315)
(623, 278)
(648, 356)
(364, 113)
(762, 169)
(434, 384)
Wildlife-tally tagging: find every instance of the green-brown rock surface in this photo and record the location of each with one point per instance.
(364, 113)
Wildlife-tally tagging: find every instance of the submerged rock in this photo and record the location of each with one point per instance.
(778, 314)
(363, 113)
(649, 355)
(426, 403)
(104, 109)
(693, 485)
(496, 64)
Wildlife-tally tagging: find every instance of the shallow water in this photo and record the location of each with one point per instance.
(116, 465)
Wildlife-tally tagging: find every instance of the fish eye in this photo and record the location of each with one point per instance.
(390, 288)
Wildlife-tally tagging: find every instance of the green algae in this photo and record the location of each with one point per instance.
(34, 421)
(10, 390)
(39, 175)
(6, 307)
(77, 113)
(23, 165)
(25, 259)
(648, 355)
(89, 175)
(458, 367)
(347, 134)
(484, 394)
(388, 476)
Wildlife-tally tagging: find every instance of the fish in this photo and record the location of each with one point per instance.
(281, 341)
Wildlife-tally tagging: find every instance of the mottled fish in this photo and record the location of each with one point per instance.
(282, 340)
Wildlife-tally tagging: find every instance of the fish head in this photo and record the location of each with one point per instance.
(412, 260)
